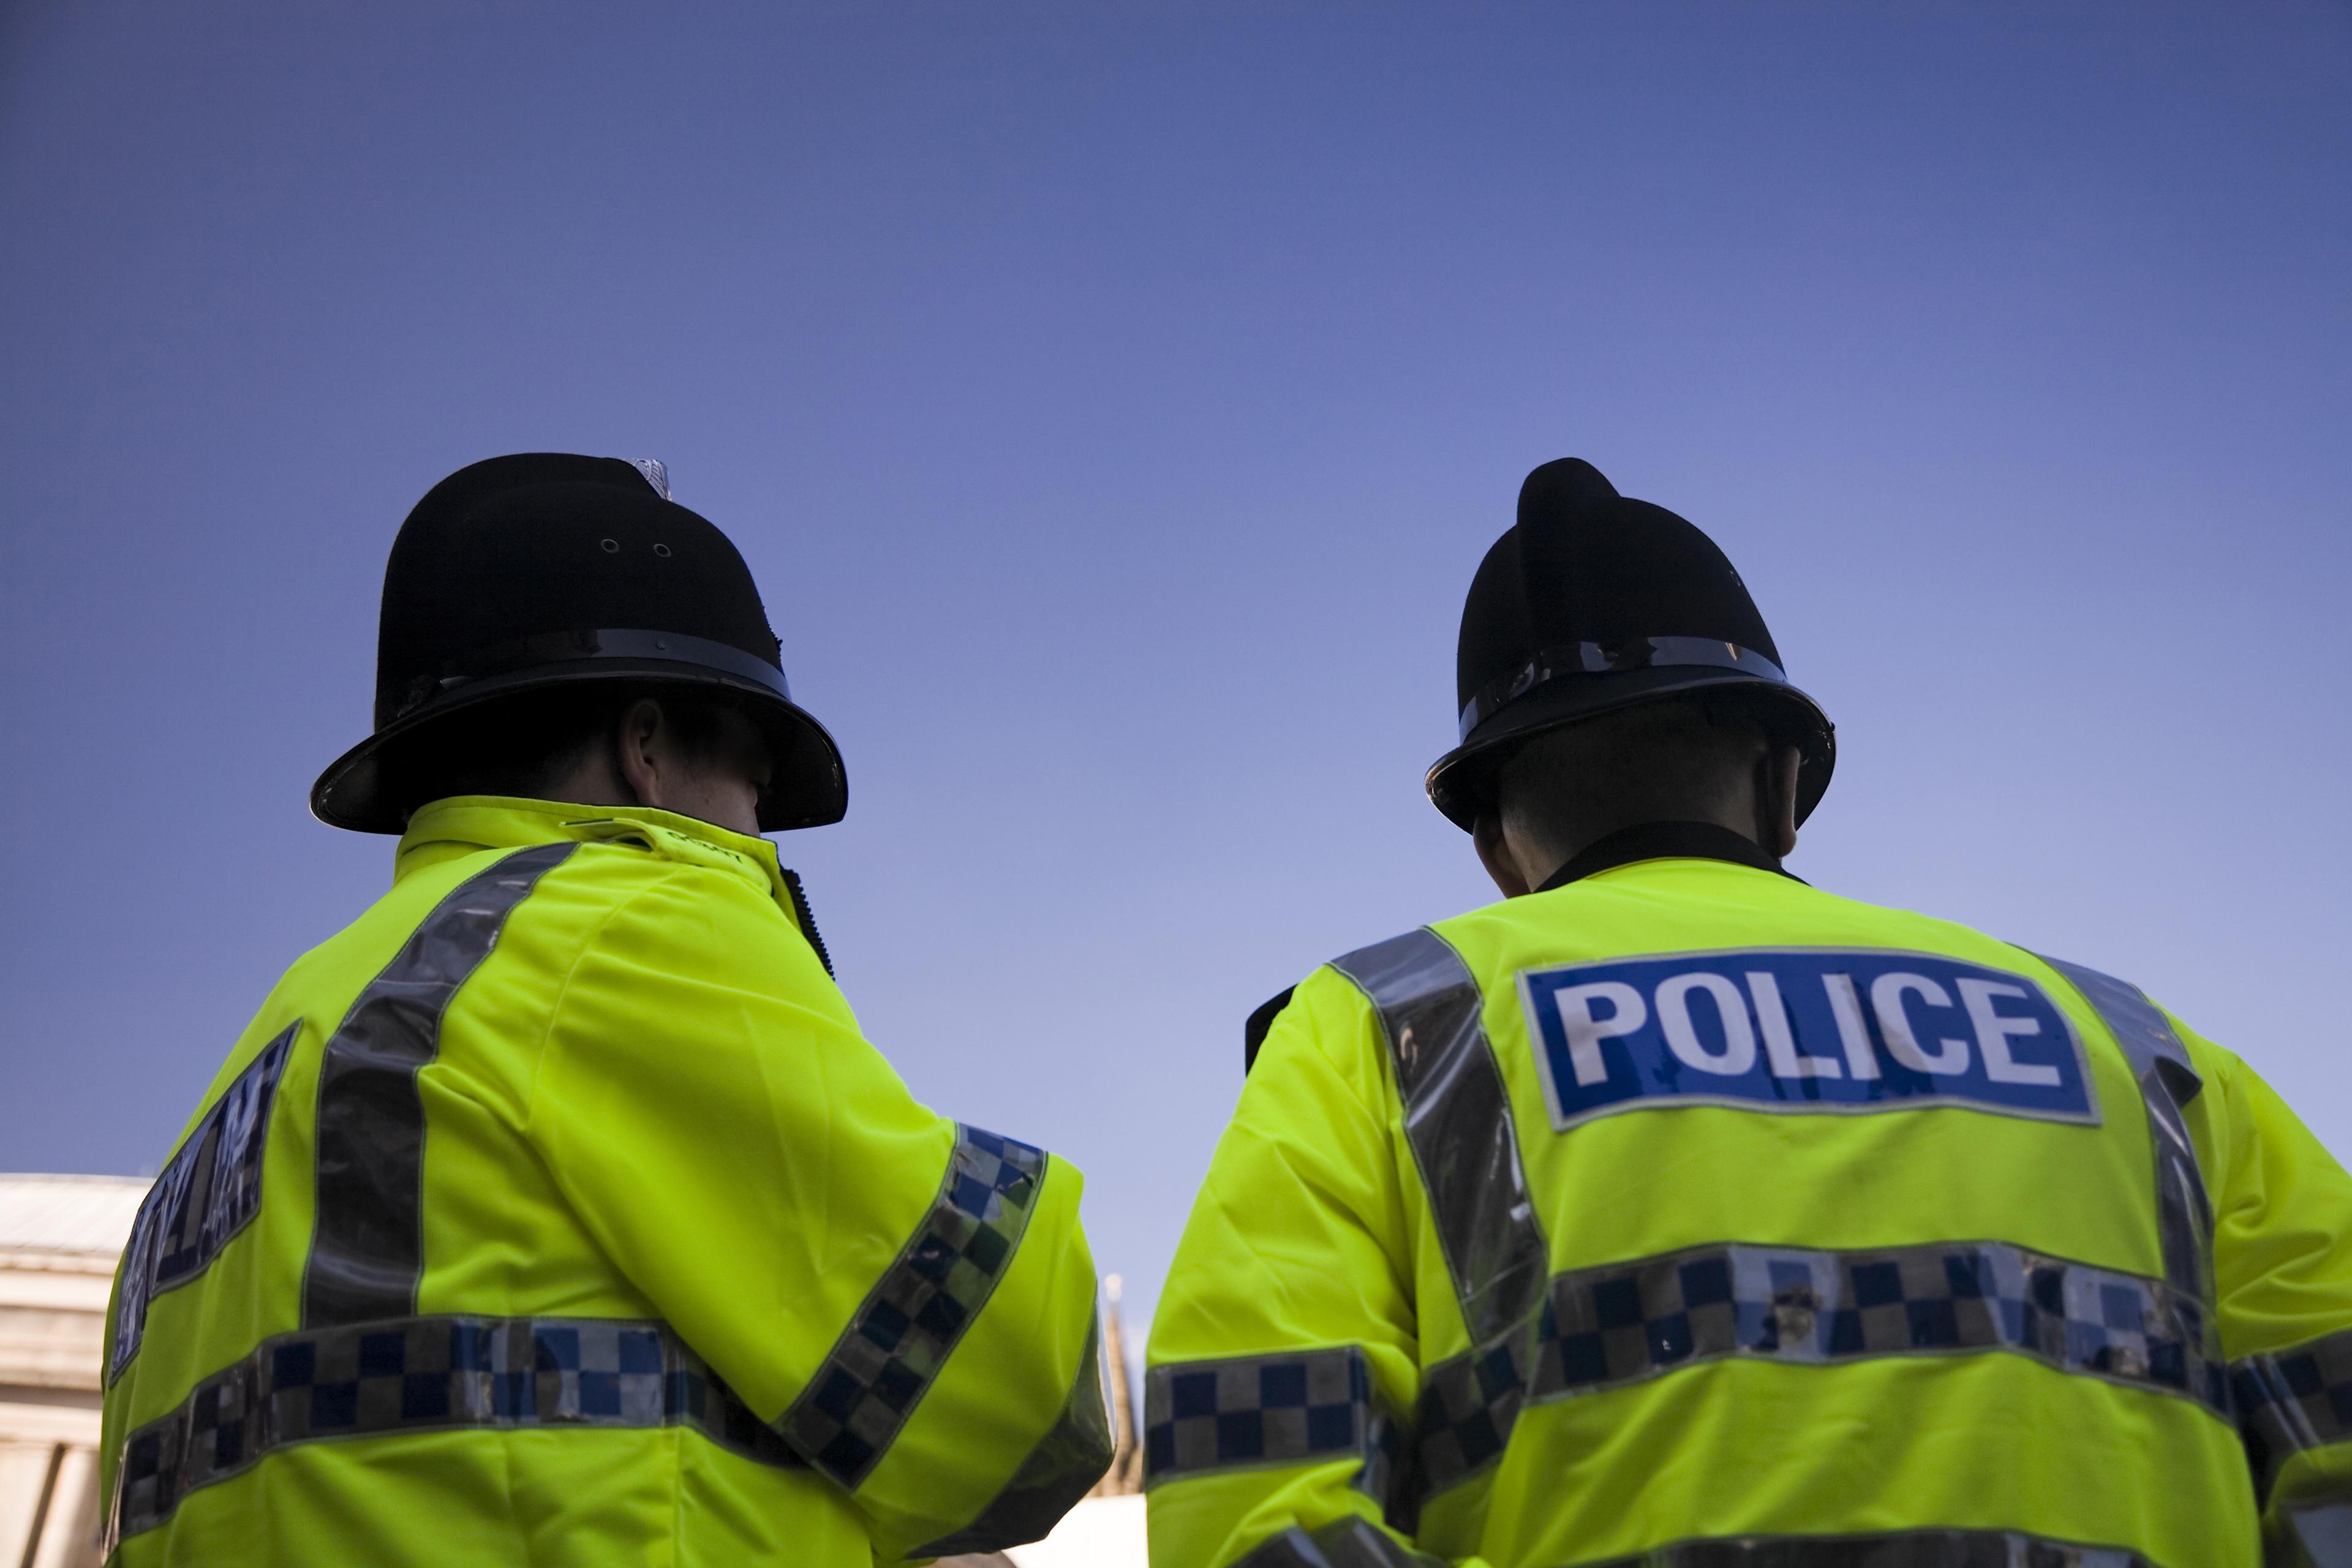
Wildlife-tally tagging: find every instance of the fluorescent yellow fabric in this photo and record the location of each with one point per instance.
(1314, 1229)
(650, 1102)
(2281, 1223)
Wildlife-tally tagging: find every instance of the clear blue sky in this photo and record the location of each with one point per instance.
(1114, 402)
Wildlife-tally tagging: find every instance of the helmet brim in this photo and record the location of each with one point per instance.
(1462, 783)
(808, 786)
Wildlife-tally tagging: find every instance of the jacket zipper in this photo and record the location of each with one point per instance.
(807, 921)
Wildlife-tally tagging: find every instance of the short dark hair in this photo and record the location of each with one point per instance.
(528, 744)
(1656, 761)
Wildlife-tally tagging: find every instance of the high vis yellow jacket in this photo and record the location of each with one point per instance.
(556, 1212)
(1687, 1216)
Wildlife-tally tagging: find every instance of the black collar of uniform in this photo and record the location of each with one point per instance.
(1662, 841)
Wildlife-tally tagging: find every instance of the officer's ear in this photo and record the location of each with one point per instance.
(1776, 801)
(637, 745)
(1495, 854)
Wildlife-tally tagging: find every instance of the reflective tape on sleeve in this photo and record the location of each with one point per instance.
(1904, 1549)
(1353, 1543)
(1457, 1119)
(420, 1375)
(2168, 1082)
(1618, 1325)
(899, 1338)
(1305, 1407)
(2292, 1401)
(367, 1248)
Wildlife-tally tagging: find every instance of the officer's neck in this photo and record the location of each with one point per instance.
(1758, 827)
(1660, 841)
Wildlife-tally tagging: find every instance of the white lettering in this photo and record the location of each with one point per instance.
(1894, 1024)
(1993, 1031)
(1739, 1054)
(1585, 1032)
(1846, 1006)
(1780, 1040)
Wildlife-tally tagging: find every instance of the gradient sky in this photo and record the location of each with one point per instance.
(1114, 402)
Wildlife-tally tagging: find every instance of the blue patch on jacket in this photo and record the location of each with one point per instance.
(1802, 1030)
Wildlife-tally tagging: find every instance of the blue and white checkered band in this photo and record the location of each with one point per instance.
(1352, 1544)
(1613, 657)
(210, 1191)
(2293, 1401)
(1302, 1407)
(1904, 1549)
(852, 1409)
(1868, 1029)
(433, 1374)
(1622, 1323)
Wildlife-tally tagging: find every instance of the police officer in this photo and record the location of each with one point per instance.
(1672, 1212)
(555, 1211)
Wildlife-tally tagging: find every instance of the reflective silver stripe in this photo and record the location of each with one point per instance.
(1904, 1549)
(1618, 1325)
(2292, 1401)
(207, 1195)
(1349, 1542)
(2168, 1082)
(1307, 1407)
(852, 1409)
(1606, 657)
(2322, 1531)
(1064, 1466)
(606, 643)
(367, 1251)
(1457, 1117)
(419, 1375)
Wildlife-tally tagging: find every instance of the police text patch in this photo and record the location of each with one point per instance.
(1802, 1029)
(210, 1191)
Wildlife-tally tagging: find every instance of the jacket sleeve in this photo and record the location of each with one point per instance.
(908, 1302)
(1284, 1353)
(2282, 1266)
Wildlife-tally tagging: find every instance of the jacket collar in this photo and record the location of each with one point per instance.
(468, 823)
(1663, 841)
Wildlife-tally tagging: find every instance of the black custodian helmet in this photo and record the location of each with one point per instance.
(543, 570)
(1594, 601)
